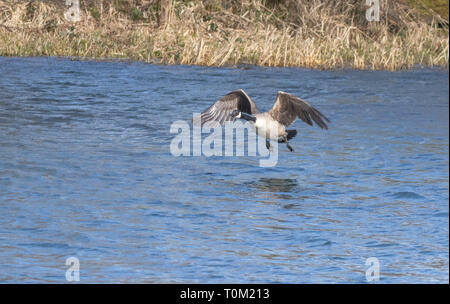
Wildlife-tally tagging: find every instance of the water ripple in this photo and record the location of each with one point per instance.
(86, 171)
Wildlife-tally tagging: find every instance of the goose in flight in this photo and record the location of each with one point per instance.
(269, 125)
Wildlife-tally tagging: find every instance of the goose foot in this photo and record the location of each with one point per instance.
(289, 146)
(268, 146)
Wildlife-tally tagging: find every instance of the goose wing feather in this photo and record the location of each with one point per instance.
(288, 108)
(220, 111)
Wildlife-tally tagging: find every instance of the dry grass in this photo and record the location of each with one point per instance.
(316, 33)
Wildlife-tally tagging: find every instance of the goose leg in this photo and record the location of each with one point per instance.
(289, 146)
(268, 145)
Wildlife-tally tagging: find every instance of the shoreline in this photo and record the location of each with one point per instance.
(251, 34)
(237, 66)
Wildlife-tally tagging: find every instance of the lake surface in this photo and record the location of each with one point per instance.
(86, 171)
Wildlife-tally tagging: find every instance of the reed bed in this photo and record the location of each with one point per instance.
(322, 34)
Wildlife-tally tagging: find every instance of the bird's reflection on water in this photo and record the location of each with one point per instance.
(276, 189)
(276, 185)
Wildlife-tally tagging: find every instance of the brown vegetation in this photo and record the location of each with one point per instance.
(314, 33)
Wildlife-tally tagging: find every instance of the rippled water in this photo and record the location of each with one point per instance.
(86, 171)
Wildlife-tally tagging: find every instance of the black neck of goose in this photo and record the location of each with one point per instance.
(248, 117)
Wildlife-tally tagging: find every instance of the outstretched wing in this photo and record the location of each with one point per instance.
(288, 107)
(221, 110)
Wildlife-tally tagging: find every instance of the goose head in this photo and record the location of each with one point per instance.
(236, 114)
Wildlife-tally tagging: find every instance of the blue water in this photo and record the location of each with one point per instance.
(86, 172)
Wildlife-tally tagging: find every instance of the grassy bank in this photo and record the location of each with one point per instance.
(315, 33)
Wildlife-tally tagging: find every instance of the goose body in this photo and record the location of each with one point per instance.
(270, 125)
(268, 128)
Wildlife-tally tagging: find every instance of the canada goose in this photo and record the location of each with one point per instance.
(287, 108)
